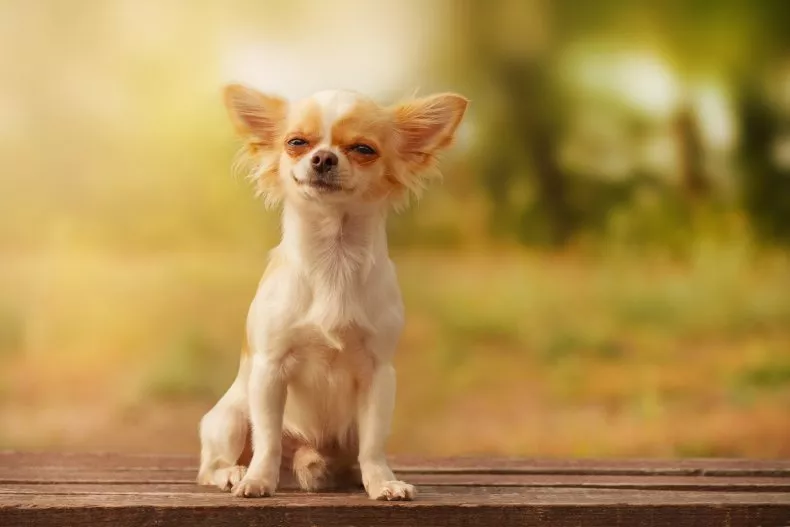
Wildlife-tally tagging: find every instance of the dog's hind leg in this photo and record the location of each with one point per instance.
(223, 435)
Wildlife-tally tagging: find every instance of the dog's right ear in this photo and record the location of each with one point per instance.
(257, 117)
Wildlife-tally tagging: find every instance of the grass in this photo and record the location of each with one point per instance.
(772, 375)
(11, 332)
(192, 367)
(511, 353)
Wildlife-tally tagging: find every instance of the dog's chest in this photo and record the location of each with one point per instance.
(313, 358)
(325, 383)
(339, 287)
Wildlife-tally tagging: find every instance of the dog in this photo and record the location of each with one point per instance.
(316, 385)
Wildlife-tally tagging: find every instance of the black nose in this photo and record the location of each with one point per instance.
(323, 161)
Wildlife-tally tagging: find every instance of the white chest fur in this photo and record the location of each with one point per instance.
(324, 383)
(320, 312)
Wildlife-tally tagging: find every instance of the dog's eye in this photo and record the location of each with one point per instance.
(297, 141)
(363, 149)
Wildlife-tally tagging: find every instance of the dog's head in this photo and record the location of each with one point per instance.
(339, 147)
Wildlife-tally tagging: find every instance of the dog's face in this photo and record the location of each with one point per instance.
(339, 147)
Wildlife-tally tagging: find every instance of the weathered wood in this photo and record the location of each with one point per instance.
(623, 467)
(397, 515)
(33, 478)
(578, 509)
(121, 490)
(410, 464)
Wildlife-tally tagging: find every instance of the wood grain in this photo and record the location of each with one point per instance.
(32, 477)
(408, 464)
(122, 490)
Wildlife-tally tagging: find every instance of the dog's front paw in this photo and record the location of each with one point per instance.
(392, 491)
(224, 478)
(254, 488)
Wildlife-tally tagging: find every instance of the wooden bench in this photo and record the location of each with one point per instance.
(121, 490)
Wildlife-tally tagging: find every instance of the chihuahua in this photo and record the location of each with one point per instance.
(316, 386)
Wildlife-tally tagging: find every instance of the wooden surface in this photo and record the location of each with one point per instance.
(121, 490)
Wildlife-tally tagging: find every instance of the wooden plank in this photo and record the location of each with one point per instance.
(560, 482)
(408, 465)
(752, 484)
(748, 484)
(121, 490)
(452, 506)
(503, 465)
(162, 496)
(401, 516)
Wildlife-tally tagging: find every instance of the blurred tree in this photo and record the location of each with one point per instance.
(765, 184)
(741, 41)
(509, 59)
(506, 50)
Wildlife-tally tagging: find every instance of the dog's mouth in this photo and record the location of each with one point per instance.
(320, 185)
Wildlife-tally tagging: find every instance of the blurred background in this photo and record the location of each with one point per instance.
(603, 272)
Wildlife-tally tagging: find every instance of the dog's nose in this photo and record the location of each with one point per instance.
(323, 161)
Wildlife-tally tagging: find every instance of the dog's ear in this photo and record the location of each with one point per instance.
(424, 127)
(260, 120)
(257, 117)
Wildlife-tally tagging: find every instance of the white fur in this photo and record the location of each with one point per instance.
(322, 331)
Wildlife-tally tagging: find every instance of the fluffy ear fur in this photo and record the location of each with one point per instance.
(259, 119)
(424, 127)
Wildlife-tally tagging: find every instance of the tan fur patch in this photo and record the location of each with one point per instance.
(306, 124)
(364, 124)
(275, 261)
(370, 125)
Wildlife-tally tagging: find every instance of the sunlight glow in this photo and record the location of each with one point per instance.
(715, 116)
(378, 53)
(642, 80)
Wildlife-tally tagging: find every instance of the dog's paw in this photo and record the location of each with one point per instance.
(392, 491)
(227, 478)
(223, 478)
(253, 488)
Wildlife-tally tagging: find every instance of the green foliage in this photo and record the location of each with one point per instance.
(770, 375)
(11, 331)
(190, 368)
(766, 186)
(527, 103)
(568, 342)
(137, 251)
(700, 449)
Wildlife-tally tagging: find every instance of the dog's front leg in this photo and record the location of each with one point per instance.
(267, 391)
(374, 419)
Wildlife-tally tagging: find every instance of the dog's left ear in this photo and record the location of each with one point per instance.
(424, 127)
